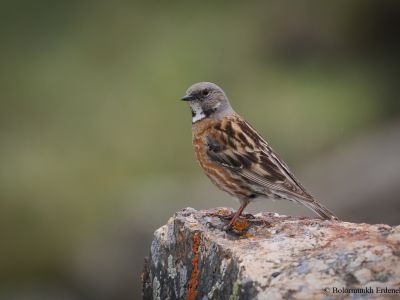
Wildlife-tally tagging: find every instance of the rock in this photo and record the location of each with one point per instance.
(268, 256)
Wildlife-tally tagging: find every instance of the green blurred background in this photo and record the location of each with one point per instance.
(96, 147)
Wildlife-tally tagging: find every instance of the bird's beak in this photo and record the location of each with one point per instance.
(187, 98)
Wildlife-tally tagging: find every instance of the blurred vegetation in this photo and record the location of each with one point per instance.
(90, 114)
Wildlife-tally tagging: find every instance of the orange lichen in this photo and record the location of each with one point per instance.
(247, 236)
(192, 287)
(241, 225)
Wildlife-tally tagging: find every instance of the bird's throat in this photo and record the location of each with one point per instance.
(197, 113)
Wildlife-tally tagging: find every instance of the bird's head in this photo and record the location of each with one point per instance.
(207, 100)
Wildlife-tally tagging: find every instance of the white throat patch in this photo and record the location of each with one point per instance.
(197, 112)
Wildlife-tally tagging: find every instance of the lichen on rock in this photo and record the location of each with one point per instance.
(271, 257)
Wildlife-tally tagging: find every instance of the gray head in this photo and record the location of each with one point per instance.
(207, 100)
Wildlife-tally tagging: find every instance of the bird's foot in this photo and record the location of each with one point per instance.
(241, 225)
(230, 216)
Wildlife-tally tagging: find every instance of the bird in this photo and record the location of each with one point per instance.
(236, 158)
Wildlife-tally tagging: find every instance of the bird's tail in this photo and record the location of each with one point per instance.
(320, 210)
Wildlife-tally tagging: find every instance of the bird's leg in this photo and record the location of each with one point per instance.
(236, 215)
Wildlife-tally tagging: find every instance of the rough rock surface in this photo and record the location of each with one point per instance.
(271, 257)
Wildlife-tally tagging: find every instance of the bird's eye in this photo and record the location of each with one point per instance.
(205, 92)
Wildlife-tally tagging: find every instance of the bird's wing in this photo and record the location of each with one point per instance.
(237, 146)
